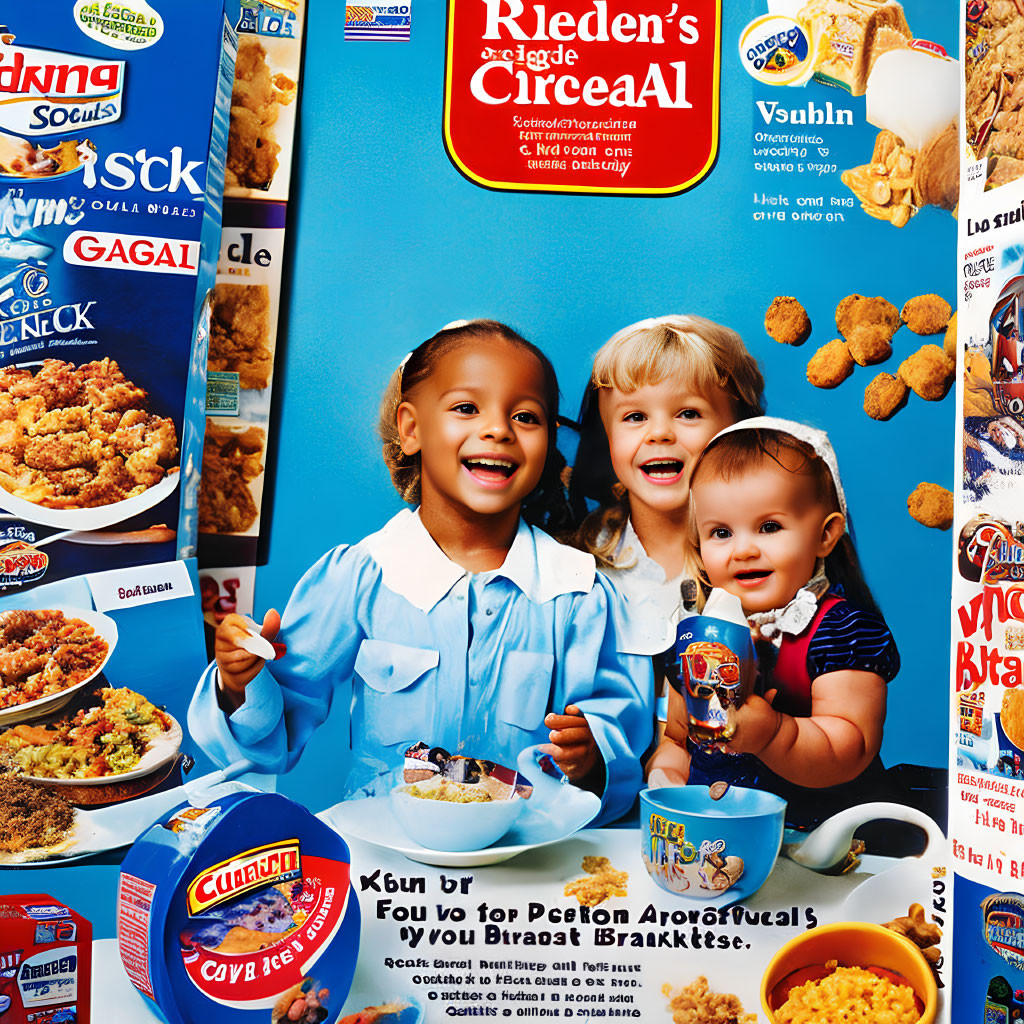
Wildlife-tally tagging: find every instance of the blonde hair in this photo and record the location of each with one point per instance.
(691, 348)
(706, 354)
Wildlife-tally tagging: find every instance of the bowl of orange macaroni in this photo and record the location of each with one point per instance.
(853, 971)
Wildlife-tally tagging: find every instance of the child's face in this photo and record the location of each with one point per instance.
(656, 433)
(480, 425)
(761, 533)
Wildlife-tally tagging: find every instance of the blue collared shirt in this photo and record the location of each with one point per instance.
(421, 649)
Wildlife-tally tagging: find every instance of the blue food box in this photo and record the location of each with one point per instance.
(113, 138)
(237, 907)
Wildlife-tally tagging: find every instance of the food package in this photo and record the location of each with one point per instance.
(111, 175)
(424, 763)
(239, 908)
(715, 669)
(850, 35)
(45, 961)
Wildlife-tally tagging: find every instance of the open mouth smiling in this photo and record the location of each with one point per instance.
(753, 577)
(490, 471)
(662, 470)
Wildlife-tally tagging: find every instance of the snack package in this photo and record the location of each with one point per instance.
(850, 35)
(45, 961)
(237, 905)
(424, 763)
(111, 174)
(715, 667)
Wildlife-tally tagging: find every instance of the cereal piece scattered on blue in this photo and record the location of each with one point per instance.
(243, 905)
(113, 140)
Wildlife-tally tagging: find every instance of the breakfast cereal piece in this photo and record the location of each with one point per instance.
(924, 934)
(697, 1004)
(926, 314)
(931, 505)
(240, 333)
(830, 365)
(884, 395)
(870, 344)
(885, 186)
(1011, 717)
(787, 321)
(600, 883)
(949, 342)
(928, 372)
(855, 310)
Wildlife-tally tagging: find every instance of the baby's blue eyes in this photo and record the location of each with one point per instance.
(641, 417)
(724, 533)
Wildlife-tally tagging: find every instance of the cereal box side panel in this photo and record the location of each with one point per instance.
(195, 398)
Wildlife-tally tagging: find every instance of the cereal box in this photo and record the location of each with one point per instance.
(112, 158)
(45, 960)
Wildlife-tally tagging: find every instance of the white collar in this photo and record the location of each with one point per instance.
(654, 604)
(414, 567)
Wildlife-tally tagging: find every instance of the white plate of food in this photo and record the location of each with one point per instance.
(29, 640)
(46, 753)
(98, 518)
(93, 497)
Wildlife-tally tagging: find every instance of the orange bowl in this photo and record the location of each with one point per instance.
(853, 944)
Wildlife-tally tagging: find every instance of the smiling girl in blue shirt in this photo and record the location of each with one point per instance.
(459, 623)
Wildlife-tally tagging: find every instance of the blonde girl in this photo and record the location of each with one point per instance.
(659, 391)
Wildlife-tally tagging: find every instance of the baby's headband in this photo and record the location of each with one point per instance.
(811, 436)
(447, 327)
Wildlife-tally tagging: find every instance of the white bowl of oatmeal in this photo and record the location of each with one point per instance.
(453, 816)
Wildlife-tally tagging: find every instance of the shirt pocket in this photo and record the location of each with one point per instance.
(524, 694)
(397, 700)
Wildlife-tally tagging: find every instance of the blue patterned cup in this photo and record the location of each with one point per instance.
(716, 851)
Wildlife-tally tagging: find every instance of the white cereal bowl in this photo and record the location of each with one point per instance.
(453, 827)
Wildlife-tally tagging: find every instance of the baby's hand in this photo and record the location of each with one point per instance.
(572, 744)
(757, 722)
(236, 666)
